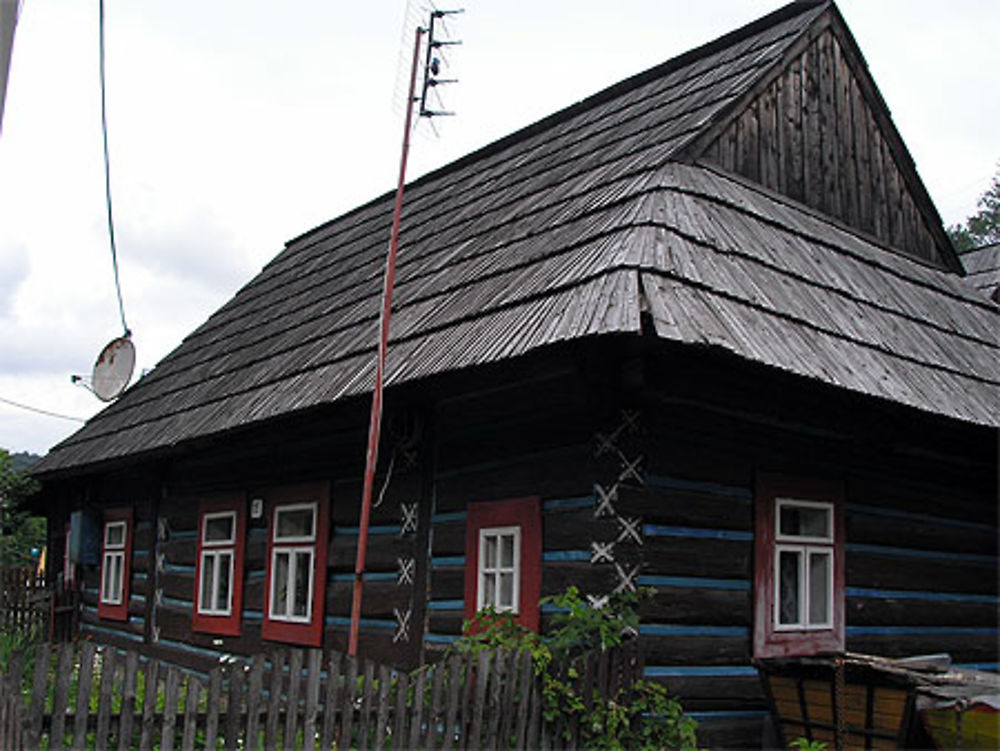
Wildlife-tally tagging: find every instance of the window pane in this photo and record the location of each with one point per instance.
(224, 574)
(279, 585)
(506, 591)
(819, 588)
(805, 521)
(295, 523)
(507, 551)
(219, 528)
(114, 534)
(106, 587)
(303, 569)
(788, 587)
(489, 590)
(207, 577)
(490, 552)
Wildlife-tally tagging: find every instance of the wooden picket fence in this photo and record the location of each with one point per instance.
(81, 696)
(24, 602)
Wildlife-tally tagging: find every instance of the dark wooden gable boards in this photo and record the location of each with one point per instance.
(817, 130)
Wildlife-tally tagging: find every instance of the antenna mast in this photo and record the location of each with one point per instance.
(431, 70)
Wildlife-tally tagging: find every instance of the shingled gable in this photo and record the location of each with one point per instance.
(578, 226)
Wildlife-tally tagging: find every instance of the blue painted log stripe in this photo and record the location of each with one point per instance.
(175, 602)
(444, 561)
(339, 621)
(663, 629)
(992, 666)
(721, 715)
(178, 568)
(694, 582)
(449, 516)
(378, 529)
(921, 630)
(258, 532)
(661, 530)
(441, 638)
(918, 595)
(253, 615)
(257, 574)
(709, 488)
(192, 649)
(862, 508)
(565, 504)
(370, 576)
(700, 671)
(446, 605)
(915, 553)
(563, 556)
(185, 534)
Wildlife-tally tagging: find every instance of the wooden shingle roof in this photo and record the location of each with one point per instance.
(982, 268)
(576, 227)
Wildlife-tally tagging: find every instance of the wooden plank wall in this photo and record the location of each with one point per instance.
(812, 136)
(921, 529)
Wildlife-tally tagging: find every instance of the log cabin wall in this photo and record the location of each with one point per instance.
(812, 135)
(920, 538)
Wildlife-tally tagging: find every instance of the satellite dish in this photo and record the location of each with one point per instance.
(113, 369)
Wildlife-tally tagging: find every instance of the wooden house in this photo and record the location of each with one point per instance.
(701, 332)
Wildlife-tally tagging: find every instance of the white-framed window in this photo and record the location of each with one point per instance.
(499, 575)
(293, 555)
(113, 562)
(803, 565)
(218, 553)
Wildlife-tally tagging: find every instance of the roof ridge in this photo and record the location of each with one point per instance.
(785, 13)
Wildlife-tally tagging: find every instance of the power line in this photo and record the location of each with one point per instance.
(107, 177)
(40, 411)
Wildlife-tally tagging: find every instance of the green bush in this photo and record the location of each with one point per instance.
(640, 716)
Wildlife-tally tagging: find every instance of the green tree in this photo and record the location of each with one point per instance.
(20, 533)
(983, 227)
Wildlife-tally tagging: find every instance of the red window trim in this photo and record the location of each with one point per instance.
(525, 513)
(308, 634)
(106, 610)
(226, 625)
(769, 642)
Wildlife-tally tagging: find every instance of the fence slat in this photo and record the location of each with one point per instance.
(274, 701)
(454, 691)
(234, 710)
(255, 697)
(151, 686)
(527, 673)
(479, 706)
(346, 739)
(367, 702)
(495, 699)
(212, 706)
(64, 674)
(314, 667)
(382, 721)
(292, 707)
(84, 687)
(434, 715)
(108, 665)
(330, 708)
(171, 695)
(39, 689)
(191, 713)
(400, 710)
(128, 701)
(417, 710)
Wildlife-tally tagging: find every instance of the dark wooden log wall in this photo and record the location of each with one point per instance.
(812, 136)
(921, 528)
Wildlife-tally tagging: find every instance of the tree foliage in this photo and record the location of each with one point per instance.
(983, 227)
(21, 534)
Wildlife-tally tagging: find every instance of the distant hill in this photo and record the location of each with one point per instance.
(23, 460)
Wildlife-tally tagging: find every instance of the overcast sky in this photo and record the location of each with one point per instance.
(236, 125)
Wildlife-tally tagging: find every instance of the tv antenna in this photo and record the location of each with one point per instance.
(431, 80)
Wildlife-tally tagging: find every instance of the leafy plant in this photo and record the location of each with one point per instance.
(640, 716)
(802, 744)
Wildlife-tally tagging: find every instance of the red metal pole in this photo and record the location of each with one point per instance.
(375, 424)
